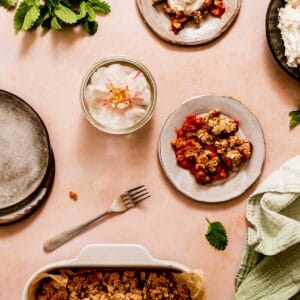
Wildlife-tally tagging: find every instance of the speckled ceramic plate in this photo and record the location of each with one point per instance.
(233, 186)
(274, 38)
(192, 34)
(26, 160)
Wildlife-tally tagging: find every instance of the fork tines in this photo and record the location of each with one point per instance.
(138, 194)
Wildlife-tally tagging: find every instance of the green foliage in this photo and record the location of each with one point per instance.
(55, 14)
(55, 24)
(89, 26)
(295, 118)
(65, 14)
(26, 15)
(8, 3)
(99, 6)
(216, 235)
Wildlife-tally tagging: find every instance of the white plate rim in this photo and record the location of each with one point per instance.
(251, 182)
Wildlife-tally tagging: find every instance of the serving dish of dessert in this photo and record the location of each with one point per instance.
(113, 272)
(212, 148)
(189, 22)
(283, 34)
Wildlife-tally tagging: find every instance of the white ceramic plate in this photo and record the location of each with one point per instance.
(236, 184)
(192, 34)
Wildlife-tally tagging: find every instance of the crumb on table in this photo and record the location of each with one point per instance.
(73, 196)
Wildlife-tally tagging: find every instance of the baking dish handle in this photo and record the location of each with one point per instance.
(118, 255)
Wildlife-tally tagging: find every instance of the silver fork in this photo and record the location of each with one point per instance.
(124, 202)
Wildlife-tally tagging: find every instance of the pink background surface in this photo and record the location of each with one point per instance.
(47, 69)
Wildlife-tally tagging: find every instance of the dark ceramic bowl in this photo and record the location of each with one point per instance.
(274, 38)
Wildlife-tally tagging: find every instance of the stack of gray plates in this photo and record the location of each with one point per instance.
(26, 160)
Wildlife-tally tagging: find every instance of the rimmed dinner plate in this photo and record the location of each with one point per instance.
(237, 183)
(192, 34)
(26, 159)
(275, 40)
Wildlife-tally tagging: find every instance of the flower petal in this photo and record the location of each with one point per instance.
(99, 78)
(116, 76)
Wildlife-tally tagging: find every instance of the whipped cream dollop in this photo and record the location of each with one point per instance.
(186, 6)
(118, 96)
(289, 25)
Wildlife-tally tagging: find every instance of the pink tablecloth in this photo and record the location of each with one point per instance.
(47, 70)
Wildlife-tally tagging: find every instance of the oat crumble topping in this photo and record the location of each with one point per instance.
(207, 145)
(91, 284)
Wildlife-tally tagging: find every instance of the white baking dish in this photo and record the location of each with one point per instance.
(110, 256)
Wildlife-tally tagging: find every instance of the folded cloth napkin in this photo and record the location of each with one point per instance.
(270, 267)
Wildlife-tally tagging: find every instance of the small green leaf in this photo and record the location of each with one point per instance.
(32, 2)
(100, 6)
(82, 10)
(90, 27)
(295, 118)
(91, 13)
(55, 24)
(65, 14)
(8, 3)
(66, 3)
(46, 21)
(294, 122)
(31, 17)
(44, 14)
(20, 15)
(216, 235)
(26, 16)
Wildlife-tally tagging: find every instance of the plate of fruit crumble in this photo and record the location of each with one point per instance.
(212, 148)
(189, 22)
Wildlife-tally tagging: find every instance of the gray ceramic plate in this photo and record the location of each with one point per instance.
(224, 190)
(274, 38)
(25, 157)
(209, 29)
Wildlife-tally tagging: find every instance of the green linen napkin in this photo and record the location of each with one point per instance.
(270, 267)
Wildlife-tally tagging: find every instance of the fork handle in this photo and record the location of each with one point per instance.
(67, 235)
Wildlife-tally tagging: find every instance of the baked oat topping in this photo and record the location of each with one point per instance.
(207, 145)
(92, 284)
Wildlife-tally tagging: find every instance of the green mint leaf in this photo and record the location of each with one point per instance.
(100, 6)
(295, 118)
(90, 27)
(294, 113)
(294, 122)
(52, 4)
(82, 11)
(8, 3)
(32, 2)
(216, 235)
(20, 15)
(26, 16)
(65, 14)
(46, 20)
(44, 13)
(55, 24)
(91, 13)
(66, 3)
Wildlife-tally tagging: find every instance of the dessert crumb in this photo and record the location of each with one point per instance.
(73, 196)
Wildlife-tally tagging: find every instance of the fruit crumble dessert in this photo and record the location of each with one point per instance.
(98, 285)
(208, 147)
(182, 11)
